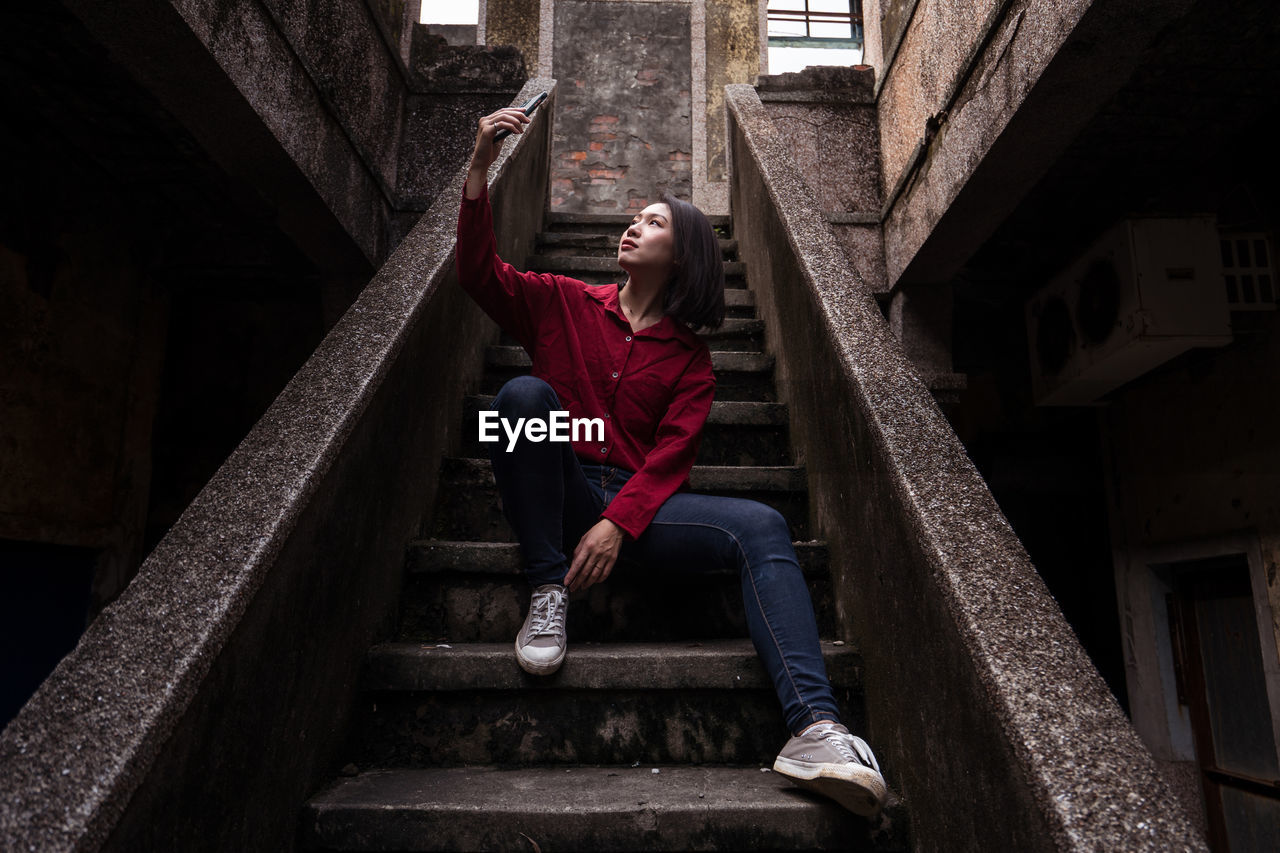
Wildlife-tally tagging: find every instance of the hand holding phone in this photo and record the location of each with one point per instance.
(527, 109)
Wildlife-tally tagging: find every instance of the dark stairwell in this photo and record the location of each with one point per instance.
(276, 634)
(658, 731)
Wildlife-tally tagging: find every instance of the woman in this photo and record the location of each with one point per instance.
(625, 354)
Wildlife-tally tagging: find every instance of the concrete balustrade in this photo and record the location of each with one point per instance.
(986, 712)
(206, 703)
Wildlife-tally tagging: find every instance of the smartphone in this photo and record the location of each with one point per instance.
(527, 109)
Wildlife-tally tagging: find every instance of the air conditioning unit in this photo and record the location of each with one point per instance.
(1145, 291)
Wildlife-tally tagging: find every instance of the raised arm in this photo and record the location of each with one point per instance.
(515, 300)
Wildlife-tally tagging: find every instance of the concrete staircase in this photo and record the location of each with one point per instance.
(658, 730)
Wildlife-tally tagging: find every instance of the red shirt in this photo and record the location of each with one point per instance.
(652, 388)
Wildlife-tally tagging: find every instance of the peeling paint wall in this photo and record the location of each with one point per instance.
(514, 22)
(732, 56)
(622, 131)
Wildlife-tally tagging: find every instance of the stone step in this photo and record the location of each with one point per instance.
(723, 412)
(433, 556)
(559, 221)
(737, 433)
(723, 445)
(732, 283)
(741, 375)
(722, 664)
(588, 263)
(736, 334)
(722, 361)
(702, 478)
(734, 327)
(631, 606)
(467, 502)
(709, 701)
(739, 302)
(559, 241)
(587, 808)
(487, 599)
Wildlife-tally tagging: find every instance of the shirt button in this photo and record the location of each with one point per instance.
(615, 374)
(628, 337)
(604, 450)
(606, 414)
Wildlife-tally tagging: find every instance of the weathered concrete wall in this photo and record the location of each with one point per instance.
(623, 133)
(884, 24)
(195, 194)
(930, 59)
(978, 100)
(977, 689)
(396, 19)
(209, 132)
(873, 34)
(305, 103)
(206, 703)
(303, 107)
(453, 87)
(150, 312)
(829, 115)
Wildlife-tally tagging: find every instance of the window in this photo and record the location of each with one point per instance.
(815, 23)
(450, 11)
(814, 32)
(1246, 271)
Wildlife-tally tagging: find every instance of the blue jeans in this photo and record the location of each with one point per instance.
(551, 498)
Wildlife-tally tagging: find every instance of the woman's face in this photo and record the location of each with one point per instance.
(648, 241)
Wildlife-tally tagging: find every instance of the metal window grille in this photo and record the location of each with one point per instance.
(815, 23)
(1246, 271)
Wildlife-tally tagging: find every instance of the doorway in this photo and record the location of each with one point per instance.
(1221, 678)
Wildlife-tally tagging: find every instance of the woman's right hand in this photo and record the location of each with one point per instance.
(486, 150)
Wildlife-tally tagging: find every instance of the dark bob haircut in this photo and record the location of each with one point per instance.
(695, 291)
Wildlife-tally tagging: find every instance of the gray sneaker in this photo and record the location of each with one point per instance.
(831, 761)
(540, 644)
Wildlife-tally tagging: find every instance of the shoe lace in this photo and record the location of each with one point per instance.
(846, 744)
(547, 612)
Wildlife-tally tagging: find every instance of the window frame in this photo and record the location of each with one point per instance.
(809, 17)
